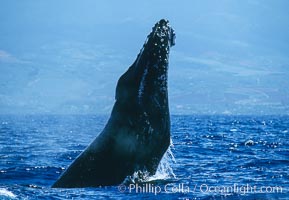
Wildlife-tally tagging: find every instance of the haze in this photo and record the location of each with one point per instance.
(65, 57)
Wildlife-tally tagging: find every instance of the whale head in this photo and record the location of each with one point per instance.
(146, 79)
(142, 97)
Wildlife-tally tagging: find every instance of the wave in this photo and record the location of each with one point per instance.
(6, 194)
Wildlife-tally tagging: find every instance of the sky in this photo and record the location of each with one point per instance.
(65, 57)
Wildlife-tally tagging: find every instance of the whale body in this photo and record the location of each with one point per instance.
(137, 133)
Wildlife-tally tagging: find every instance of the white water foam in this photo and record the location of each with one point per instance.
(6, 194)
(163, 172)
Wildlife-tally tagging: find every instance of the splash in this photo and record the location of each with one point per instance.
(4, 193)
(164, 171)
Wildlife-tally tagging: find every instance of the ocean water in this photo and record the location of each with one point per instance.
(211, 157)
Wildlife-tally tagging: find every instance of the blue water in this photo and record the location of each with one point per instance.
(216, 157)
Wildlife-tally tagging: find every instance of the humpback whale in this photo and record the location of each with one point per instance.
(137, 133)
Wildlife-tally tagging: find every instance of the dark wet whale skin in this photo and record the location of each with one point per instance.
(138, 132)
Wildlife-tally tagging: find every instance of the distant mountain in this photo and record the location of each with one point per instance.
(66, 57)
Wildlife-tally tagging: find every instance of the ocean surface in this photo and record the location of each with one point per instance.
(211, 157)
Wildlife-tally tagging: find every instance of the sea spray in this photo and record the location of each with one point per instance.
(164, 170)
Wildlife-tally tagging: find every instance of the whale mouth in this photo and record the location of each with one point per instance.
(156, 55)
(163, 35)
(154, 61)
(147, 76)
(164, 31)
